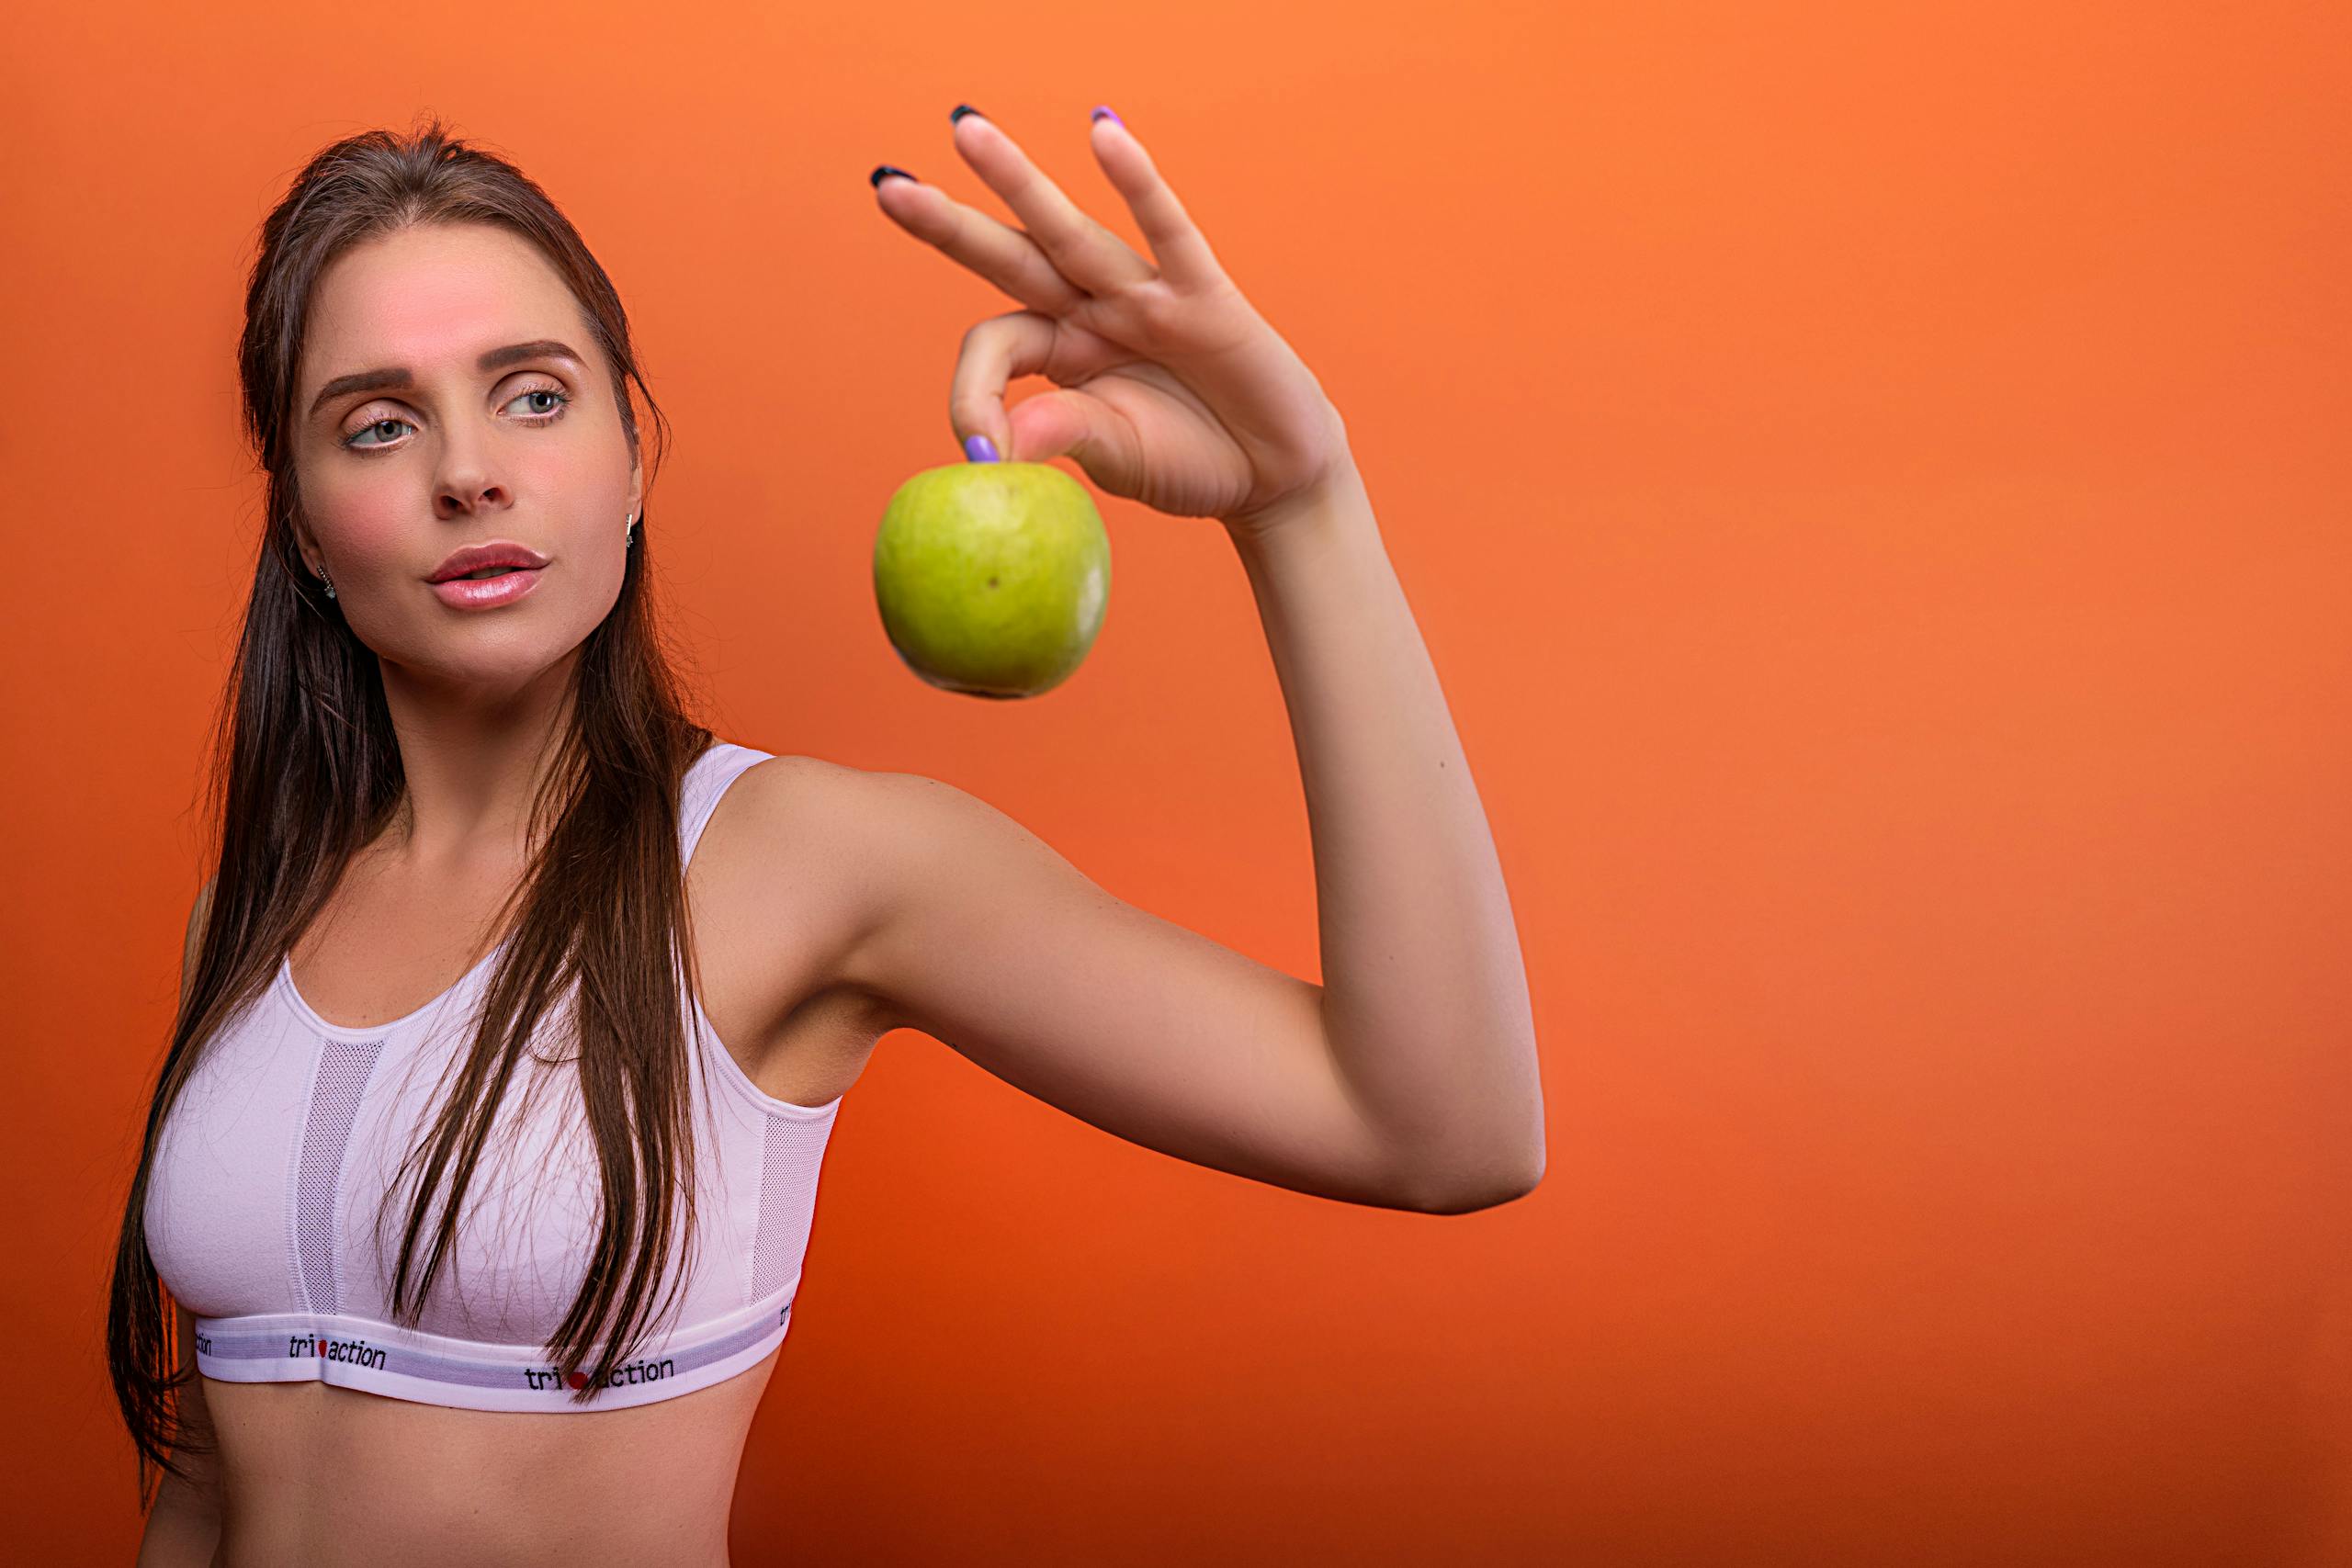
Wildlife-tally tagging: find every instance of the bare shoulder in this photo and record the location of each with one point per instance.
(788, 860)
(870, 846)
(199, 917)
(810, 815)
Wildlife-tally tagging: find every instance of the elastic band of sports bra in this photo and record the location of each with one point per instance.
(406, 1363)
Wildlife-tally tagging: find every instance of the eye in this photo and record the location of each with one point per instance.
(544, 416)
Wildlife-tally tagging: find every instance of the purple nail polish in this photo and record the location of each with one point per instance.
(981, 449)
(1103, 109)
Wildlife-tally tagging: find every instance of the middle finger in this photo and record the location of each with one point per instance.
(1080, 248)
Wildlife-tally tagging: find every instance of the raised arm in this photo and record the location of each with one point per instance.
(979, 934)
(1411, 1072)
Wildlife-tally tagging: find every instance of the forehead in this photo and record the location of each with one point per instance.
(430, 297)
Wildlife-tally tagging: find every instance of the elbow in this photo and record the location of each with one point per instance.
(1453, 1191)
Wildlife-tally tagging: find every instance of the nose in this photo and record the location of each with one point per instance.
(458, 500)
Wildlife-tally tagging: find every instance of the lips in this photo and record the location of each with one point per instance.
(490, 593)
(473, 558)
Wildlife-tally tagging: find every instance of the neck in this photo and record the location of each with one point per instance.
(474, 761)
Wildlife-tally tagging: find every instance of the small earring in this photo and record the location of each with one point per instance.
(627, 531)
(322, 578)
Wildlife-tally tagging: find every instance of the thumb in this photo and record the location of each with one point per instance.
(1072, 423)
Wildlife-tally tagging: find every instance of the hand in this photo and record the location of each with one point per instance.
(1172, 391)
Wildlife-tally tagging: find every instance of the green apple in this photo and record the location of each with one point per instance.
(992, 578)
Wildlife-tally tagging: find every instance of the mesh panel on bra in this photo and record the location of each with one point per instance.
(784, 1213)
(344, 1070)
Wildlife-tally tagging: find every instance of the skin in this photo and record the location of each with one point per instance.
(475, 696)
(476, 702)
(1407, 1080)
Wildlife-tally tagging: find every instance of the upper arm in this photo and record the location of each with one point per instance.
(193, 1411)
(982, 936)
(202, 1493)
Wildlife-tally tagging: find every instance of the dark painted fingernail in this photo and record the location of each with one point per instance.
(960, 110)
(882, 171)
(1105, 111)
(981, 449)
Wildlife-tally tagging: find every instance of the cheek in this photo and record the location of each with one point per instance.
(367, 528)
(553, 468)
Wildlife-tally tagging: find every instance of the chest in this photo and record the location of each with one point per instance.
(386, 945)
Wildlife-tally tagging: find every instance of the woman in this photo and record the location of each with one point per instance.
(464, 821)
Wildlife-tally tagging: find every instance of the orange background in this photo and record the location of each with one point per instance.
(1874, 481)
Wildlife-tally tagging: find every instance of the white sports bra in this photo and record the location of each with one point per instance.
(268, 1174)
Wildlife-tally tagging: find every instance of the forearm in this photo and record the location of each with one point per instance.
(1425, 994)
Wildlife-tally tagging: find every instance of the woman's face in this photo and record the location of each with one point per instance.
(440, 452)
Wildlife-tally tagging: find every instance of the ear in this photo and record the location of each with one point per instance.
(306, 547)
(635, 488)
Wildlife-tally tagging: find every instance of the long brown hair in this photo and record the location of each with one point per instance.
(305, 771)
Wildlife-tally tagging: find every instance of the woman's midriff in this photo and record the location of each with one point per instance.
(338, 1478)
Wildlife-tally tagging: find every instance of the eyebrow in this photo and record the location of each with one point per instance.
(398, 376)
